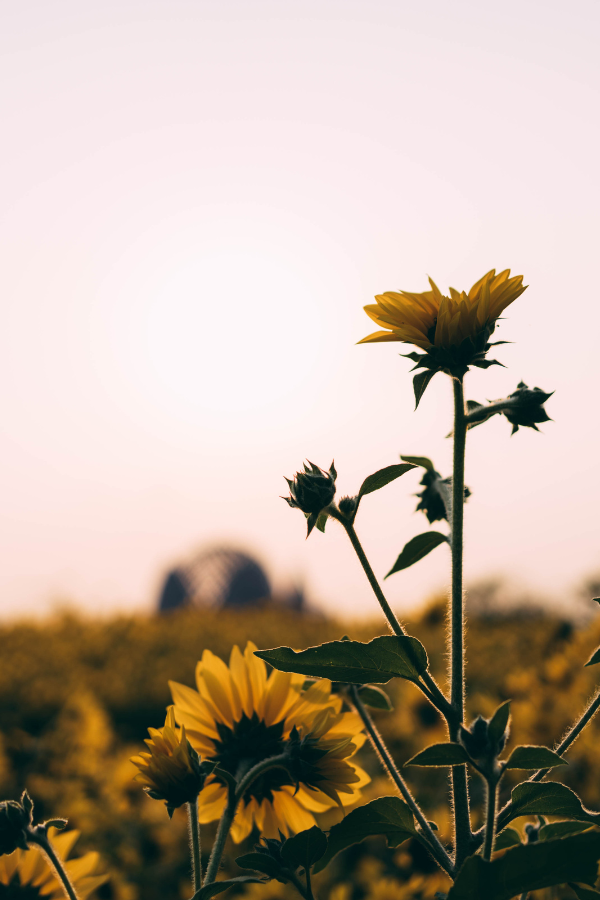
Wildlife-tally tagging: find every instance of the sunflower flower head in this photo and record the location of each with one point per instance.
(172, 770)
(454, 332)
(26, 875)
(312, 491)
(239, 717)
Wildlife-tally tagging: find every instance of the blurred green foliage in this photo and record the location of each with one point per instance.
(77, 697)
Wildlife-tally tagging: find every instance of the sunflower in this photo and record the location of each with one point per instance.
(431, 319)
(239, 717)
(27, 875)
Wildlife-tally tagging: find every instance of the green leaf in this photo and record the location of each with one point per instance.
(382, 658)
(416, 549)
(510, 837)
(583, 893)
(382, 477)
(57, 823)
(594, 658)
(499, 722)
(549, 798)
(419, 461)
(389, 816)
(375, 698)
(561, 829)
(420, 384)
(305, 848)
(530, 757)
(440, 755)
(262, 862)
(528, 868)
(209, 890)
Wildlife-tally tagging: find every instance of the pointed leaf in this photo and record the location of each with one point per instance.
(382, 477)
(375, 698)
(416, 549)
(499, 722)
(529, 867)
(440, 755)
(351, 662)
(530, 757)
(594, 658)
(423, 461)
(389, 816)
(510, 837)
(59, 824)
(262, 862)
(420, 383)
(305, 848)
(583, 893)
(549, 798)
(209, 890)
(561, 829)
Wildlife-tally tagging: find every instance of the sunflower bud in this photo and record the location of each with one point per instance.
(348, 506)
(15, 820)
(432, 499)
(527, 407)
(312, 491)
(479, 743)
(172, 770)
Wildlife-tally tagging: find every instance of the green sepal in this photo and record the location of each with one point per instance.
(498, 724)
(215, 887)
(56, 823)
(304, 849)
(417, 548)
(262, 862)
(529, 867)
(383, 658)
(549, 798)
(375, 697)
(421, 383)
(446, 754)
(594, 658)
(531, 757)
(389, 816)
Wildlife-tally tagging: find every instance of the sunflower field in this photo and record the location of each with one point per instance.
(77, 697)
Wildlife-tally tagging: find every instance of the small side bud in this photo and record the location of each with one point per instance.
(431, 498)
(348, 506)
(15, 821)
(312, 491)
(527, 408)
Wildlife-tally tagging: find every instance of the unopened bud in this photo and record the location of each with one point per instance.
(312, 491)
(527, 408)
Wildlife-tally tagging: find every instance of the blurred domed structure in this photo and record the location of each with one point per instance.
(219, 577)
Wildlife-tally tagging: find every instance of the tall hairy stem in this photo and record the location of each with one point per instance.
(41, 839)
(194, 828)
(490, 818)
(462, 822)
(435, 846)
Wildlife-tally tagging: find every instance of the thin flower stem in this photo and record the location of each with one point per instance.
(309, 892)
(40, 838)
(490, 819)
(505, 814)
(194, 828)
(233, 798)
(462, 820)
(430, 687)
(297, 884)
(437, 849)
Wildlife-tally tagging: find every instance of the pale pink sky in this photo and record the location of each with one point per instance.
(197, 200)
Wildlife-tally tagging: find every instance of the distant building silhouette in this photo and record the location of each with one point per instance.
(218, 577)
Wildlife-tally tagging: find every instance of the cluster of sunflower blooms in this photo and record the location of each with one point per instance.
(273, 754)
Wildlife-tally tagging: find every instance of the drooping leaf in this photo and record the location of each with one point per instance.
(378, 661)
(305, 848)
(262, 862)
(499, 722)
(209, 890)
(561, 829)
(423, 461)
(416, 549)
(510, 837)
(420, 384)
(594, 658)
(373, 696)
(530, 757)
(389, 816)
(529, 867)
(447, 754)
(549, 798)
(382, 477)
(583, 893)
